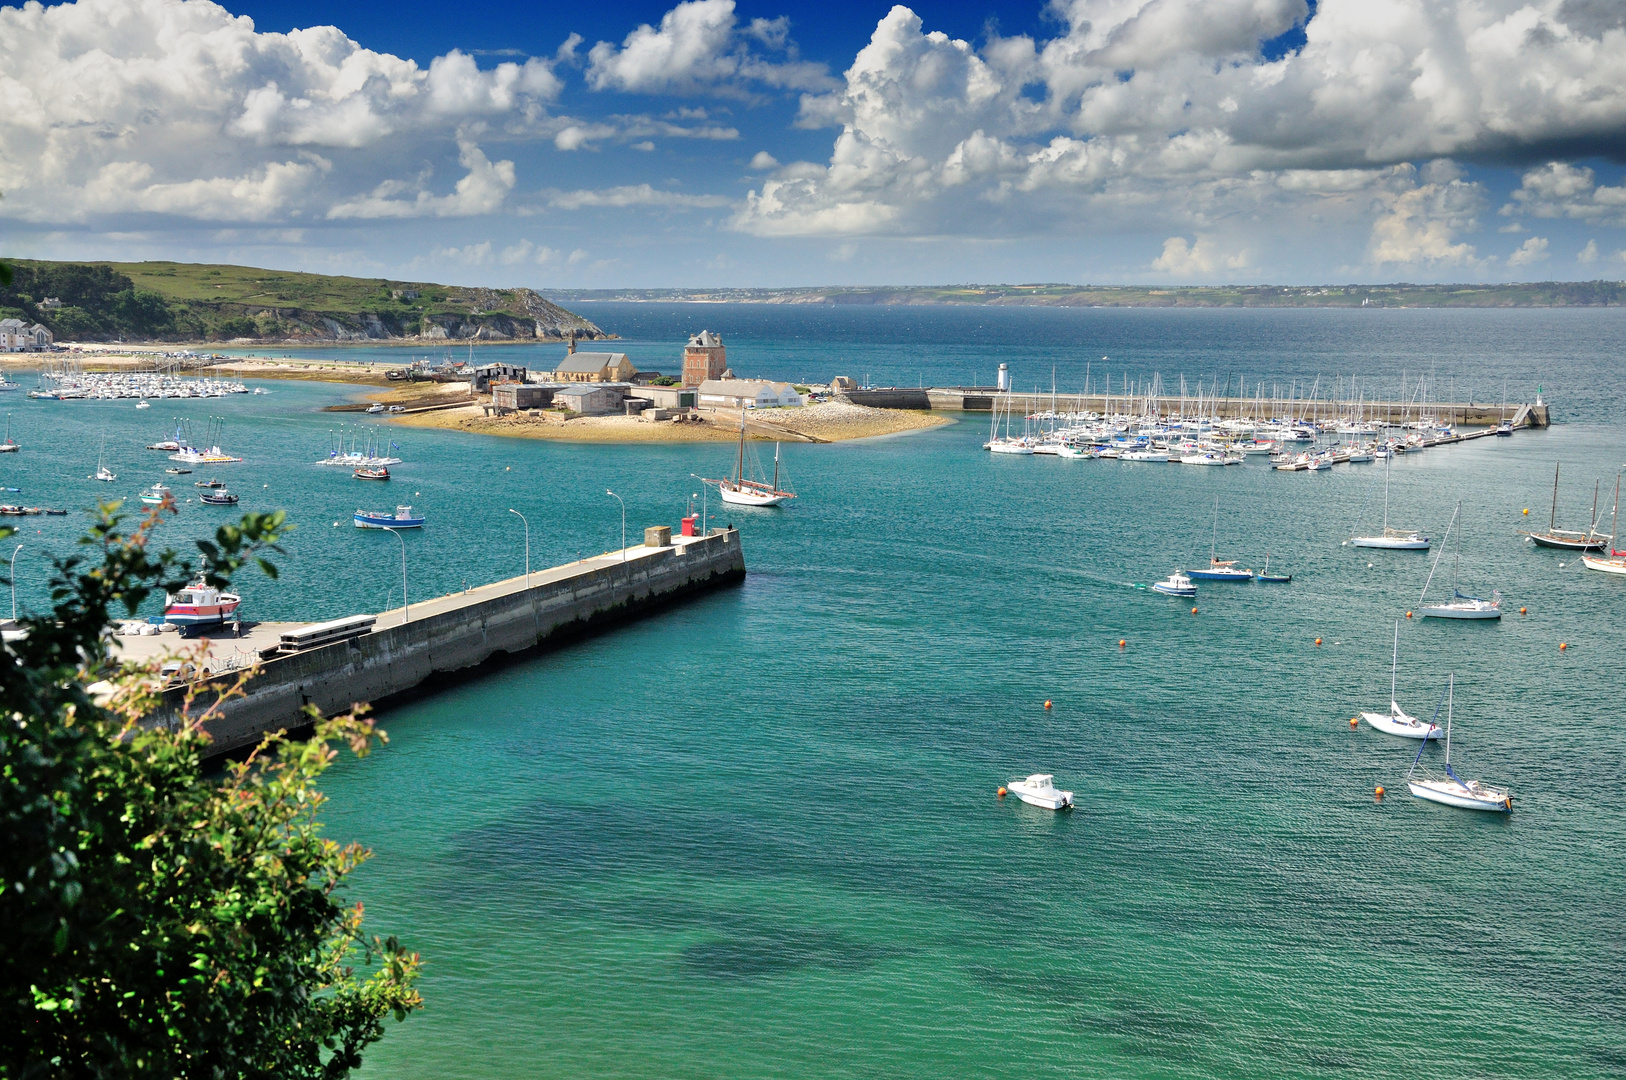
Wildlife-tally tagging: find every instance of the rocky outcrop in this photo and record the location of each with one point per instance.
(490, 315)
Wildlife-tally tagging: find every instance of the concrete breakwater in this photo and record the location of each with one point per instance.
(986, 399)
(408, 649)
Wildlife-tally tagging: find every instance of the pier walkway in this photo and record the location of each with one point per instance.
(407, 649)
(986, 398)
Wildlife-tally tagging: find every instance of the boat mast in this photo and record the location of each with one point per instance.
(1393, 662)
(1213, 538)
(739, 466)
(1552, 518)
(1388, 464)
(776, 467)
(1591, 528)
(1450, 700)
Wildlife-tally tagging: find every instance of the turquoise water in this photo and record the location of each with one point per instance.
(757, 835)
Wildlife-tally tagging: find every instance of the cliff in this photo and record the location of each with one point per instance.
(165, 301)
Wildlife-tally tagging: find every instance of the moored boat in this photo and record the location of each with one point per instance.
(1461, 605)
(379, 473)
(155, 495)
(403, 518)
(745, 491)
(217, 497)
(1451, 789)
(1396, 721)
(1176, 584)
(1040, 790)
(1569, 539)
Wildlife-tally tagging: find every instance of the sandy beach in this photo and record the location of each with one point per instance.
(831, 421)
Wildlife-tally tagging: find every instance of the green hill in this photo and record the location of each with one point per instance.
(166, 301)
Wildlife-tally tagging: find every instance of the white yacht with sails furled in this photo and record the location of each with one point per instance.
(1451, 789)
(745, 491)
(1393, 539)
(1461, 605)
(1396, 721)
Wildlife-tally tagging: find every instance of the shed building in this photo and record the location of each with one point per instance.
(667, 397)
(592, 399)
(486, 374)
(595, 367)
(749, 394)
(516, 396)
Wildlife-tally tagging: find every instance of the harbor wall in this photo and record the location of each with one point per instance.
(455, 636)
(986, 399)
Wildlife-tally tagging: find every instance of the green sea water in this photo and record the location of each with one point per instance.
(757, 835)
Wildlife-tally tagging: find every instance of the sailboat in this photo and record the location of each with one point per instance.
(1392, 539)
(1396, 721)
(8, 447)
(1219, 569)
(1461, 605)
(1452, 790)
(743, 491)
(1006, 444)
(1569, 539)
(1271, 579)
(102, 471)
(1615, 561)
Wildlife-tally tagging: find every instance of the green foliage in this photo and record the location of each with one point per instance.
(160, 922)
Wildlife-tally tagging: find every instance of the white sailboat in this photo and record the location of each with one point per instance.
(1461, 605)
(744, 491)
(1615, 561)
(1219, 569)
(1451, 789)
(1392, 539)
(1396, 721)
(103, 473)
(8, 447)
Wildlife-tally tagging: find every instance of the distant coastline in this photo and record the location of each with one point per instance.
(1544, 294)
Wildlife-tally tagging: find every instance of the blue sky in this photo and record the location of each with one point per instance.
(731, 142)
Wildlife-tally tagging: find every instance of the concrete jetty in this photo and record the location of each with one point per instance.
(985, 399)
(407, 649)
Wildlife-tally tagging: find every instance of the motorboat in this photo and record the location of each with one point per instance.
(1271, 579)
(1396, 721)
(403, 518)
(1318, 463)
(177, 471)
(1461, 605)
(375, 408)
(1070, 450)
(1390, 539)
(218, 497)
(155, 495)
(200, 604)
(143, 405)
(210, 483)
(380, 473)
(1176, 584)
(1040, 790)
(745, 491)
(1451, 789)
(1143, 455)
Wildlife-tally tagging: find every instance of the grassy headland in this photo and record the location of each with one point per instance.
(1535, 294)
(189, 302)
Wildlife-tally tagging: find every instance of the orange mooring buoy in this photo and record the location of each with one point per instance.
(1527, 511)
(1353, 721)
(1521, 611)
(1562, 645)
(1318, 641)
(1001, 793)
(1121, 643)
(1194, 611)
(1408, 614)
(1378, 791)
(1047, 703)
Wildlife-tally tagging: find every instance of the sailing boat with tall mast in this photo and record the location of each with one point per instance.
(742, 490)
(1615, 561)
(1219, 569)
(1569, 539)
(1392, 539)
(1451, 789)
(8, 447)
(103, 473)
(1461, 605)
(1396, 721)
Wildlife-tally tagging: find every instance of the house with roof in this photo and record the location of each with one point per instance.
(594, 367)
(749, 394)
(18, 336)
(704, 358)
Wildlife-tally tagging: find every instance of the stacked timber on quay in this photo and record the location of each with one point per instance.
(986, 399)
(407, 649)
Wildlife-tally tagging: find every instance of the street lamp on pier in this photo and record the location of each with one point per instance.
(521, 516)
(623, 503)
(406, 608)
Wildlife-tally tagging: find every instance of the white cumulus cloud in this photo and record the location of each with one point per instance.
(700, 46)
(1532, 251)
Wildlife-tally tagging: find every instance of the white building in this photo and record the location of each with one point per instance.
(18, 336)
(748, 394)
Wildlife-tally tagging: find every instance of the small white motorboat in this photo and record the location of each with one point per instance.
(1040, 790)
(1176, 584)
(1451, 789)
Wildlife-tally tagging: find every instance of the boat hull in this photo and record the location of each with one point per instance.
(1390, 726)
(1051, 800)
(1391, 543)
(369, 521)
(1170, 590)
(1448, 611)
(1449, 793)
(750, 498)
(1607, 566)
(1219, 575)
(1566, 544)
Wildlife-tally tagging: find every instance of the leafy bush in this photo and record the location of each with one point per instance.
(159, 922)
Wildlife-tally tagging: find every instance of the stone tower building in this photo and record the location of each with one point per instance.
(703, 358)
